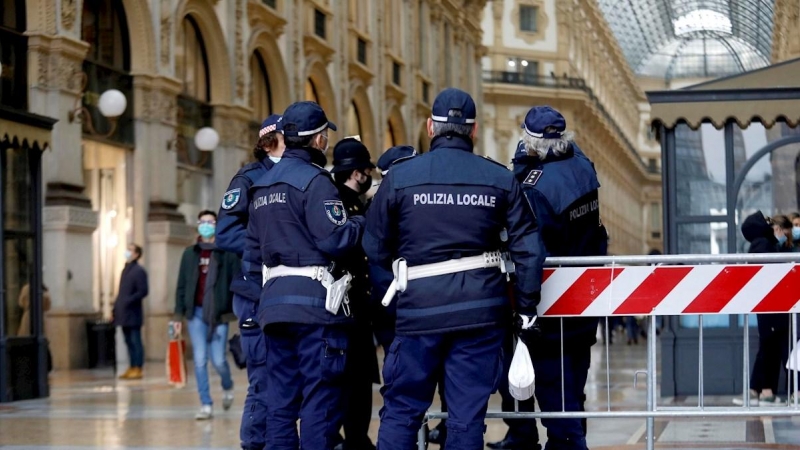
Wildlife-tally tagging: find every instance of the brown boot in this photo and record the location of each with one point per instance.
(127, 374)
(136, 374)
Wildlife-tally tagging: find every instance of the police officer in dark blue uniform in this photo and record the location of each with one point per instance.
(231, 230)
(298, 225)
(438, 219)
(561, 185)
(352, 172)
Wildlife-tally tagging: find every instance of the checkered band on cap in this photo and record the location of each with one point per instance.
(267, 129)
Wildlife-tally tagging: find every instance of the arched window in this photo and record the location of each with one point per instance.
(261, 93)
(353, 120)
(192, 68)
(105, 28)
(311, 91)
(13, 54)
(107, 66)
(389, 139)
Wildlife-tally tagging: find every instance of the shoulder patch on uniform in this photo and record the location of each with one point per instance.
(533, 177)
(496, 162)
(231, 198)
(335, 211)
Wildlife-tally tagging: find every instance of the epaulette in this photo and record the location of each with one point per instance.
(496, 162)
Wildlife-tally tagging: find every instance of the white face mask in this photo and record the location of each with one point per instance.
(275, 159)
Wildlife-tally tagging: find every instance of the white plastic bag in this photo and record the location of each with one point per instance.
(520, 376)
(794, 358)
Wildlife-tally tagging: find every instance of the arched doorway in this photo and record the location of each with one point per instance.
(195, 169)
(353, 126)
(261, 90)
(423, 141)
(107, 160)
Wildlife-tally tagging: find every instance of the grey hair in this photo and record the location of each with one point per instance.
(536, 146)
(442, 128)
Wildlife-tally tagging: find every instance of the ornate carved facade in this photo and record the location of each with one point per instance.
(186, 64)
(574, 65)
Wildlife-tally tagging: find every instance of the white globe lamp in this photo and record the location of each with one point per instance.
(112, 103)
(206, 139)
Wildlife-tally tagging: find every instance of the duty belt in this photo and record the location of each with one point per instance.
(336, 289)
(403, 274)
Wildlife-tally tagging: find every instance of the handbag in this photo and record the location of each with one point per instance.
(235, 347)
(176, 363)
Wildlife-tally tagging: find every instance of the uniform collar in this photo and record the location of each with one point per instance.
(457, 142)
(297, 153)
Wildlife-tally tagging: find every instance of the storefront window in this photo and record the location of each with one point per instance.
(18, 237)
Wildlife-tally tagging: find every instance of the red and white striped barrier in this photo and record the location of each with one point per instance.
(670, 290)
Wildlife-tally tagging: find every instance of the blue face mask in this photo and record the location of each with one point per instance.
(128, 255)
(206, 230)
(781, 239)
(796, 233)
(275, 159)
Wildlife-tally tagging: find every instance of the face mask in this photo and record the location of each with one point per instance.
(781, 239)
(128, 255)
(796, 233)
(365, 185)
(275, 159)
(206, 230)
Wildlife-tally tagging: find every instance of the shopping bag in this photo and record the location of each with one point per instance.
(794, 359)
(520, 375)
(176, 363)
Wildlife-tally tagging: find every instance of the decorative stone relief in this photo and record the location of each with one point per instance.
(69, 218)
(166, 25)
(238, 54)
(68, 14)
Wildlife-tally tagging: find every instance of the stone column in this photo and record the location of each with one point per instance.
(68, 219)
(158, 225)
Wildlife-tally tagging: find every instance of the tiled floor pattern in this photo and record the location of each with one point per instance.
(90, 410)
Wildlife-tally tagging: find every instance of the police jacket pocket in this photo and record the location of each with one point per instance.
(334, 358)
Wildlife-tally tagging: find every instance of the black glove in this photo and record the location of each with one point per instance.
(527, 328)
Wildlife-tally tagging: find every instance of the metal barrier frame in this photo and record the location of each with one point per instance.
(652, 410)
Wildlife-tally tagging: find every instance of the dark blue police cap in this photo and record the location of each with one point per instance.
(453, 106)
(270, 124)
(350, 154)
(305, 119)
(393, 155)
(541, 117)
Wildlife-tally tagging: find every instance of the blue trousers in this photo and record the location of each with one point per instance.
(133, 340)
(253, 431)
(562, 434)
(471, 362)
(198, 333)
(305, 368)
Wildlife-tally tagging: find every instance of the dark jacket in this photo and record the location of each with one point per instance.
(132, 290)
(232, 226)
(298, 220)
(563, 193)
(759, 234)
(447, 204)
(355, 261)
(229, 266)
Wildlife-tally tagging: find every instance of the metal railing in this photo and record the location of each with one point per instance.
(652, 410)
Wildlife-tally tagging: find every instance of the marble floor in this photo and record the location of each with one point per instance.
(91, 410)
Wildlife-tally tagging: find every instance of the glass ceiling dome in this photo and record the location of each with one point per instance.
(692, 38)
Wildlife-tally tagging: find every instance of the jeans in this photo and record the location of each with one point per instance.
(133, 339)
(198, 331)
